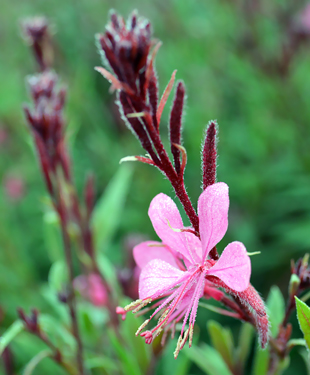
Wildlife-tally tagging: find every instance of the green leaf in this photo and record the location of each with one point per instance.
(52, 235)
(140, 351)
(208, 359)
(108, 210)
(261, 361)
(10, 334)
(127, 360)
(276, 309)
(57, 277)
(102, 362)
(60, 308)
(59, 334)
(244, 347)
(303, 315)
(35, 361)
(282, 366)
(306, 357)
(108, 271)
(168, 365)
(221, 339)
(296, 342)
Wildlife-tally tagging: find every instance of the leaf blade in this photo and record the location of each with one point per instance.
(303, 316)
(109, 207)
(10, 334)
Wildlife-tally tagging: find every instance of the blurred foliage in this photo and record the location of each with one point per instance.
(224, 51)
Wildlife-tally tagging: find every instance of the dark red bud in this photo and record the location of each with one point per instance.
(175, 125)
(209, 155)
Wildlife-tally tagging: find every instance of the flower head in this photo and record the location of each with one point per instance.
(177, 269)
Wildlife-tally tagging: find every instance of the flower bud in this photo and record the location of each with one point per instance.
(293, 285)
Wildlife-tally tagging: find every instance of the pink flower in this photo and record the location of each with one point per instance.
(304, 18)
(91, 287)
(177, 269)
(14, 187)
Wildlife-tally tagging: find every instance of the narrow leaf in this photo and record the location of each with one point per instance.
(261, 361)
(127, 360)
(303, 315)
(306, 357)
(244, 347)
(108, 211)
(116, 84)
(57, 276)
(35, 361)
(276, 309)
(207, 359)
(296, 342)
(101, 362)
(221, 339)
(10, 334)
(109, 274)
(165, 96)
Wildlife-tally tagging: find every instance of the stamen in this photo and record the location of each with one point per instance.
(163, 316)
(173, 329)
(143, 303)
(178, 348)
(191, 333)
(132, 305)
(180, 344)
(184, 338)
(142, 326)
(164, 336)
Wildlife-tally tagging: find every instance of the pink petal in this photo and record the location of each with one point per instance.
(213, 206)
(149, 250)
(194, 244)
(233, 267)
(165, 217)
(158, 277)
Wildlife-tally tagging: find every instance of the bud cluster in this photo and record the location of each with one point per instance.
(128, 54)
(36, 31)
(45, 120)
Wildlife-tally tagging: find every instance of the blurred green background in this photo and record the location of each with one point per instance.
(244, 63)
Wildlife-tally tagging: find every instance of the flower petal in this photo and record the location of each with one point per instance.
(233, 267)
(165, 218)
(149, 250)
(213, 206)
(158, 277)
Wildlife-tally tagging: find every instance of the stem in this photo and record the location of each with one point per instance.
(86, 243)
(187, 204)
(57, 356)
(177, 181)
(71, 297)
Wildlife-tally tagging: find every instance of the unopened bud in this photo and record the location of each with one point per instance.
(305, 260)
(293, 285)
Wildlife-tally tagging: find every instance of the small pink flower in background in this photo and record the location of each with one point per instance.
(14, 187)
(177, 269)
(304, 18)
(91, 288)
(3, 136)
